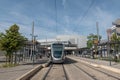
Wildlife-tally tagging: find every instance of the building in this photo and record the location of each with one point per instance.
(116, 27)
(80, 41)
(72, 42)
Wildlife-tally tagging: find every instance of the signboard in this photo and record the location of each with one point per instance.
(109, 31)
(95, 41)
(118, 30)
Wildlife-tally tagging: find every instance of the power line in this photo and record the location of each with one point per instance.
(56, 15)
(86, 12)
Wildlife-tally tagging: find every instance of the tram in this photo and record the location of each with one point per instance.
(57, 53)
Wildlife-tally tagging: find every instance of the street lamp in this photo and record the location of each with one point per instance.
(108, 43)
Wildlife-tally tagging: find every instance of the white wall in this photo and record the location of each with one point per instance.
(75, 39)
(81, 41)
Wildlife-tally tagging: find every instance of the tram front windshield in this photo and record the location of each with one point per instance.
(57, 54)
(57, 50)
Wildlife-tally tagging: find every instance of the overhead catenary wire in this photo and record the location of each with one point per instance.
(56, 16)
(81, 19)
(86, 12)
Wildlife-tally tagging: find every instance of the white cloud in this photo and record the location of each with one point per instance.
(46, 25)
(63, 3)
(48, 22)
(4, 26)
(105, 17)
(88, 24)
(67, 20)
(22, 18)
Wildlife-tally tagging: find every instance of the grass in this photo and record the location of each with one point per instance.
(118, 60)
(108, 59)
(8, 65)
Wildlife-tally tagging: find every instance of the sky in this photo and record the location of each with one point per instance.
(59, 17)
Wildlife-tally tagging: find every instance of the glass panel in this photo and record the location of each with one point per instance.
(57, 54)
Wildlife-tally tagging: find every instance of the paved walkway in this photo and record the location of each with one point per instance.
(100, 62)
(15, 72)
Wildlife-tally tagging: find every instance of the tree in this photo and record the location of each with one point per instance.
(115, 38)
(93, 41)
(11, 41)
(91, 38)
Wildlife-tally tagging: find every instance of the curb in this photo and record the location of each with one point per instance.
(100, 66)
(110, 68)
(46, 64)
(32, 72)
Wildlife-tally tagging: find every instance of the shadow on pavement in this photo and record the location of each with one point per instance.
(69, 61)
(38, 62)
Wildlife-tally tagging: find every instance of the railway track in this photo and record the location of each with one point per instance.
(55, 72)
(102, 71)
(73, 70)
(89, 70)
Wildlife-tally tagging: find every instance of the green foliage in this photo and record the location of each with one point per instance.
(91, 39)
(114, 37)
(9, 65)
(89, 43)
(11, 41)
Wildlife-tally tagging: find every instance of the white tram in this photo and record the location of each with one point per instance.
(57, 53)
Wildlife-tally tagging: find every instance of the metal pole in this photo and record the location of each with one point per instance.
(97, 37)
(33, 31)
(109, 33)
(33, 48)
(33, 42)
(97, 31)
(109, 51)
(46, 48)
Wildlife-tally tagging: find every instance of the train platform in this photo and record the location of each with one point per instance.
(13, 73)
(115, 67)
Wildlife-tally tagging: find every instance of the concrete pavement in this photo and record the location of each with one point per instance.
(13, 73)
(115, 67)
